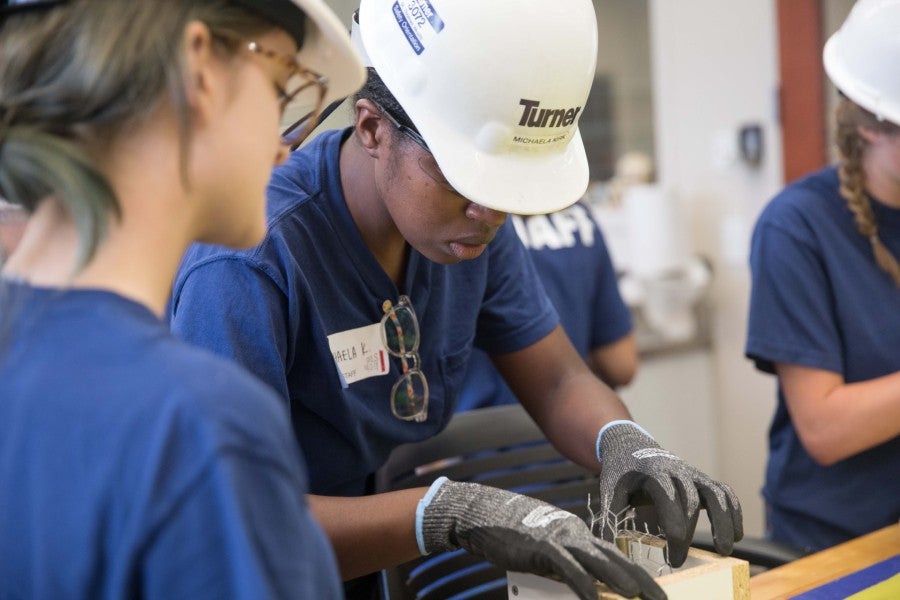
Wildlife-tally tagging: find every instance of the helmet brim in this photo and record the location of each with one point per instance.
(516, 182)
(326, 50)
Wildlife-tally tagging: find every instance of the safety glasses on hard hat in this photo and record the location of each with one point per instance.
(427, 162)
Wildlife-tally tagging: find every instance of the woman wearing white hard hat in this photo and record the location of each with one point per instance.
(389, 256)
(133, 465)
(823, 312)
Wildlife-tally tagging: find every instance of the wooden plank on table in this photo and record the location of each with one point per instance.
(833, 563)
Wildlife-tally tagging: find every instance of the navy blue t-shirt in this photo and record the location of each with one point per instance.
(572, 260)
(281, 308)
(135, 466)
(820, 300)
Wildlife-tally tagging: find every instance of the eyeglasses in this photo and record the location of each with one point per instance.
(400, 334)
(300, 80)
(427, 162)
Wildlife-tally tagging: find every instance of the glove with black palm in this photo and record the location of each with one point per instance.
(519, 533)
(635, 469)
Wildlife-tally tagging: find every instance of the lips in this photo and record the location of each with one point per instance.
(465, 250)
(472, 245)
(480, 239)
(473, 242)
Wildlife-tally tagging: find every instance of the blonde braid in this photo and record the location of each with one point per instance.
(853, 182)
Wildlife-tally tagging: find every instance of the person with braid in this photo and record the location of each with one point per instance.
(823, 309)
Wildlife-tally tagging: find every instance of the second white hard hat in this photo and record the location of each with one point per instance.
(496, 88)
(861, 58)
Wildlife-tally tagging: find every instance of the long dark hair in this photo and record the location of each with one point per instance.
(76, 75)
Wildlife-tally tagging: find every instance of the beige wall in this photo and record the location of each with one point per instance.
(715, 69)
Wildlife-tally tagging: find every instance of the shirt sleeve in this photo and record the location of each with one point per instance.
(229, 306)
(612, 318)
(515, 311)
(791, 308)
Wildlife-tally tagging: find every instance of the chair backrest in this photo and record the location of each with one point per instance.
(499, 446)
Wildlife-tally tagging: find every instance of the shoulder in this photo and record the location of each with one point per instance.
(219, 274)
(804, 199)
(221, 403)
(805, 208)
(305, 174)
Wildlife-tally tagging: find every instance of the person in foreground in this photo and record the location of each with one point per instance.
(822, 312)
(131, 464)
(389, 256)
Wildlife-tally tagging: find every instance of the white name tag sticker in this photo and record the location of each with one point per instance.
(359, 353)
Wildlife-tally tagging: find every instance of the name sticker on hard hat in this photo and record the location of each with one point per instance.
(418, 21)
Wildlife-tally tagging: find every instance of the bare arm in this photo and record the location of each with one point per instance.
(370, 533)
(615, 363)
(562, 395)
(836, 420)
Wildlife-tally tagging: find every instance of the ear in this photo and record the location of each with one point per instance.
(198, 67)
(371, 128)
(869, 135)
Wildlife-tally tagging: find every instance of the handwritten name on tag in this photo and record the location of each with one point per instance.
(359, 353)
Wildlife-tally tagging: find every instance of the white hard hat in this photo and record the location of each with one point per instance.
(496, 88)
(862, 56)
(325, 49)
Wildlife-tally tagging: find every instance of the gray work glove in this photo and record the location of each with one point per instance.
(636, 469)
(518, 533)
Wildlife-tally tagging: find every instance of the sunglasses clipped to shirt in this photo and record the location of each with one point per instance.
(400, 334)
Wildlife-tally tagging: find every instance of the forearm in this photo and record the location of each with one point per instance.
(841, 419)
(563, 396)
(615, 363)
(370, 533)
(581, 406)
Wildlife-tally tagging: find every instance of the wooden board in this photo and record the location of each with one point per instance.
(703, 575)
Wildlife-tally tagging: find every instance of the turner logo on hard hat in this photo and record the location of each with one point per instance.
(546, 117)
(536, 117)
